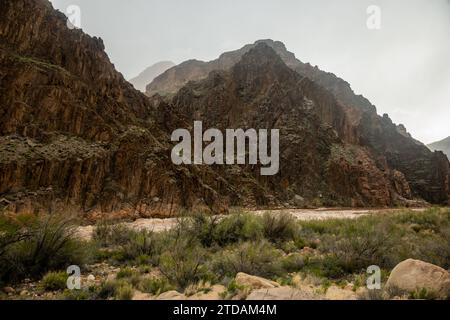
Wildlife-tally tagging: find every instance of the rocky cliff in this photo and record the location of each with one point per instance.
(317, 162)
(390, 145)
(74, 132)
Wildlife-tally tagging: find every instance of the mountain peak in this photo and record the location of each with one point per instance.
(442, 145)
(261, 53)
(147, 76)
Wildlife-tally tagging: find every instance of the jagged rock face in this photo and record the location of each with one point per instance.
(73, 129)
(174, 79)
(261, 92)
(391, 146)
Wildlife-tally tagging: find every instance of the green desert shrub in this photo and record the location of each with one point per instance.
(107, 234)
(124, 292)
(143, 247)
(118, 289)
(49, 243)
(232, 289)
(108, 289)
(122, 245)
(293, 263)
(350, 246)
(54, 281)
(155, 285)
(90, 293)
(126, 273)
(203, 227)
(258, 258)
(184, 264)
(279, 227)
(237, 228)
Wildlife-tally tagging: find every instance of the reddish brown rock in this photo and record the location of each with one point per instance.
(75, 133)
(352, 116)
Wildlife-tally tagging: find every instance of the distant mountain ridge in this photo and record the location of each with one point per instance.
(443, 145)
(145, 77)
(388, 142)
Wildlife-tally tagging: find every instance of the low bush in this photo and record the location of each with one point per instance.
(237, 228)
(143, 247)
(54, 281)
(293, 263)
(279, 227)
(384, 240)
(45, 243)
(107, 234)
(124, 292)
(183, 264)
(118, 289)
(126, 273)
(154, 285)
(256, 258)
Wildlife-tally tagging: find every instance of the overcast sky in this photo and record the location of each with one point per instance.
(403, 68)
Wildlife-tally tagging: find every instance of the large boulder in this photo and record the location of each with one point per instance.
(141, 296)
(254, 282)
(414, 275)
(171, 295)
(281, 293)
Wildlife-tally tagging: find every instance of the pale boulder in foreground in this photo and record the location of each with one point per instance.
(254, 282)
(413, 275)
(281, 293)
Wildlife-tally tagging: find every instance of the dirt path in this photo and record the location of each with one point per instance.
(158, 225)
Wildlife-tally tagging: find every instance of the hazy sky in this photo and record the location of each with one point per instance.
(403, 68)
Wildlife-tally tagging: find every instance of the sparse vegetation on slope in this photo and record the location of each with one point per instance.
(209, 250)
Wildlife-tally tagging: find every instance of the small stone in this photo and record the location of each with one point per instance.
(307, 251)
(24, 293)
(91, 277)
(299, 200)
(9, 290)
(349, 286)
(111, 277)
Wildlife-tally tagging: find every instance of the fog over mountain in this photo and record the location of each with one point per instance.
(147, 76)
(402, 68)
(443, 145)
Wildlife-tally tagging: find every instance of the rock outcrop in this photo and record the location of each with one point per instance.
(72, 129)
(427, 173)
(282, 293)
(75, 133)
(317, 162)
(254, 282)
(411, 276)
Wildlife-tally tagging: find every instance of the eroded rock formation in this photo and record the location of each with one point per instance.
(352, 116)
(74, 131)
